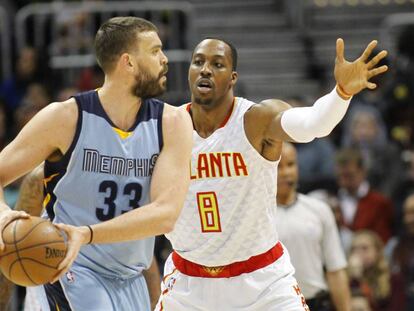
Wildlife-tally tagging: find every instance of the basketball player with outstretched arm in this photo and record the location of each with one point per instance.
(115, 155)
(227, 255)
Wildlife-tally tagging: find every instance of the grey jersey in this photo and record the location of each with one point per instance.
(106, 172)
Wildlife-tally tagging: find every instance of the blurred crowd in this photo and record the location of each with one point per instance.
(364, 170)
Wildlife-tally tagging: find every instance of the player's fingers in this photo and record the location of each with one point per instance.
(8, 218)
(340, 50)
(22, 214)
(374, 61)
(71, 253)
(368, 50)
(377, 71)
(371, 85)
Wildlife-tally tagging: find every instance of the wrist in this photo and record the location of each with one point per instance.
(341, 92)
(87, 235)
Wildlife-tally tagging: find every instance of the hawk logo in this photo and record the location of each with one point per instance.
(213, 271)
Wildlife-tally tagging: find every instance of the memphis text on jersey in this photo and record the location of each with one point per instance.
(218, 164)
(93, 161)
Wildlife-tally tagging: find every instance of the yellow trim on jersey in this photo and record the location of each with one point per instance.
(46, 200)
(122, 133)
(46, 180)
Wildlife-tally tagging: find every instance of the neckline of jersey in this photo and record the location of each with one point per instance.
(223, 123)
(139, 117)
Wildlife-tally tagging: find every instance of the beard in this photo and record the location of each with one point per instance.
(203, 101)
(147, 86)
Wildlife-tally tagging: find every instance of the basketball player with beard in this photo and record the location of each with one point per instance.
(114, 156)
(227, 255)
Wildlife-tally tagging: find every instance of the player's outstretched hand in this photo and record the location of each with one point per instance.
(7, 215)
(76, 237)
(354, 76)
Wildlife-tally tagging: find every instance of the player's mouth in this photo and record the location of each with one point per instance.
(204, 85)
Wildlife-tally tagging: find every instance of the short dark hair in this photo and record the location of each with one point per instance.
(116, 36)
(232, 49)
(350, 155)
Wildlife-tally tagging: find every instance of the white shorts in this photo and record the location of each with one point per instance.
(272, 288)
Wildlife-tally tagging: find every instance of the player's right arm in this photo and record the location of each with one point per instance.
(46, 136)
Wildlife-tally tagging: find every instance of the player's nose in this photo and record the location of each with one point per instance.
(205, 70)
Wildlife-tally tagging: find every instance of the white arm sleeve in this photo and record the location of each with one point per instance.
(304, 124)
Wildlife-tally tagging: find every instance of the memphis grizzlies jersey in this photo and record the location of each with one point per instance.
(228, 214)
(105, 173)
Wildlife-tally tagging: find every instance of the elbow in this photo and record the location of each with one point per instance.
(168, 225)
(170, 217)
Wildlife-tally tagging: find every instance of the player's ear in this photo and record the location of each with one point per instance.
(234, 77)
(127, 62)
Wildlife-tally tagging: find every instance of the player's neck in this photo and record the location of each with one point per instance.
(119, 103)
(286, 199)
(207, 119)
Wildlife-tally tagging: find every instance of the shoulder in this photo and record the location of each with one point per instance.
(176, 119)
(267, 108)
(66, 110)
(316, 205)
(260, 116)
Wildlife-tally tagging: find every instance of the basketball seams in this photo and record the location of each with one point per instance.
(29, 264)
(18, 255)
(30, 231)
(39, 262)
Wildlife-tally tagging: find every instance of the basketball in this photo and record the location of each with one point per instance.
(33, 250)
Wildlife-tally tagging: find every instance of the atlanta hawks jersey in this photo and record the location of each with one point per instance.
(105, 173)
(228, 212)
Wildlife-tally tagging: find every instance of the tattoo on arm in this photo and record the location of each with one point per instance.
(31, 193)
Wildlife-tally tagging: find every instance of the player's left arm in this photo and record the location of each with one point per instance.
(169, 185)
(303, 124)
(339, 289)
(153, 278)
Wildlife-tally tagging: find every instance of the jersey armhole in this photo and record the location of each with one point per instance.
(159, 126)
(64, 161)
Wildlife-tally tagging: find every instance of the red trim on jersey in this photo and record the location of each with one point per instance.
(223, 124)
(226, 119)
(252, 264)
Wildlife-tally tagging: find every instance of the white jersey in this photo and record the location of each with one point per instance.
(308, 229)
(229, 209)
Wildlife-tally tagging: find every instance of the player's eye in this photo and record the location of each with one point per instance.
(219, 65)
(198, 62)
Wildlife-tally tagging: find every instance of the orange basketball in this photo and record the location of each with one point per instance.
(33, 250)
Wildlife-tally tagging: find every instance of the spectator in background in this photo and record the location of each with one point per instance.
(365, 131)
(65, 93)
(315, 159)
(345, 234)
(361, 206)
(359, 302)
(14, 89)
(405, 186)
(368, 269)
(400, 114)
(306, 226)
(403, 258)
(37, 95)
